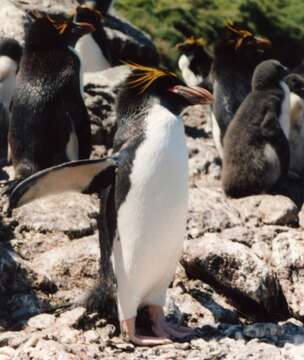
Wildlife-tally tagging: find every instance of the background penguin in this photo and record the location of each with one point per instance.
(256, 150)
(295, 82)
(195, 62)
(93, 48)
(50, 123)
(10, 55)
(146, 207)
(235, 58)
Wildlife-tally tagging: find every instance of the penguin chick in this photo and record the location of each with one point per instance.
(256, 150)
(235, 58)
(296, 136)
(195, 62)
(10, 55)
(144, 206)
(50, 123)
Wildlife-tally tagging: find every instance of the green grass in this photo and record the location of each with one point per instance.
(281, 20)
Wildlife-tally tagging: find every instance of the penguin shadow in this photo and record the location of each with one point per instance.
(291, 187)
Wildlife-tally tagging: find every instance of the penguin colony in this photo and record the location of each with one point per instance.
(257, 123)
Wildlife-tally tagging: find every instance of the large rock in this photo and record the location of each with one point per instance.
(288, 260)
(209, 211)
(238, 273)
(70, 213)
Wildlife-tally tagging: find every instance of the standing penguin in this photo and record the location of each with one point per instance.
(256, 149)
(295, 82)
(147, 197)
(235, 58)
(50, 123)
(194, 62)
(10, 55)
(93, 48)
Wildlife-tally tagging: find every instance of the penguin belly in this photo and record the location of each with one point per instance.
(296, 135)
(152, 221)
(284, 118)
(91, 55)
(190, 78)
(8, 69)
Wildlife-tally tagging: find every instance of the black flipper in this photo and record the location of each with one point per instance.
(86, 176)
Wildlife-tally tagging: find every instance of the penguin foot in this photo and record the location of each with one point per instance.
(161, 327)
(129, 334)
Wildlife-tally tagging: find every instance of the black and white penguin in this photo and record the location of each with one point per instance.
(235, 58)
(194, 62)
(93, 48)
(50, 123)
(256, 149)
(295, 82)
(10, 55)
(147, 198)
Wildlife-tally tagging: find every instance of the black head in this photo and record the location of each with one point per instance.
(84, 21)
(147, 83)
(268, 74)
(241, 43)
(11, 48)
(102, 6)
(295, 83)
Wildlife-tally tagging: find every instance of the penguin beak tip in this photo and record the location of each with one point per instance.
(195, 95)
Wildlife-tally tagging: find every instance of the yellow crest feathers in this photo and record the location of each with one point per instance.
(59, 25)
(242, 34)
(145, 76)
(195, 41)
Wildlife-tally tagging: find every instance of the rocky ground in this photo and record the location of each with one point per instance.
(240, 283)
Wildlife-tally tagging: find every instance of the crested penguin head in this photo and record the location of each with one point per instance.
(241, 43)
(191, 44)
(11, 48)
(50, 31)
(269, 74)
(152, 85)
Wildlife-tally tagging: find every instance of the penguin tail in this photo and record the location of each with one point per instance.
(85, 176)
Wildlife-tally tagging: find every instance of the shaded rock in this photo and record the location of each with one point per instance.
(288, 260)
(260, 330)
(100, 95)
(209, 211)
(238, 273)
(71, 213)
(267, 209)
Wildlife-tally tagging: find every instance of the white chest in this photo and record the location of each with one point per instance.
(153, 215)
(91, 55)
(284, 118)
(8, 68)
(190, 78)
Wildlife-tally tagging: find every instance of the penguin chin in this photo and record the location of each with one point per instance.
(194, 95)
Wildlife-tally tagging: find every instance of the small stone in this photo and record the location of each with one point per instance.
(72, 317)
(42, 321)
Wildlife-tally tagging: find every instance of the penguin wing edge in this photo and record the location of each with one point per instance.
(85, 176)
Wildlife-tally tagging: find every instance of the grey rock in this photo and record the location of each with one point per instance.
(237, 272)
(209, 211)
(73, 266)
(288, 260)
(267, 209)
(100, 95)
(70, 213)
